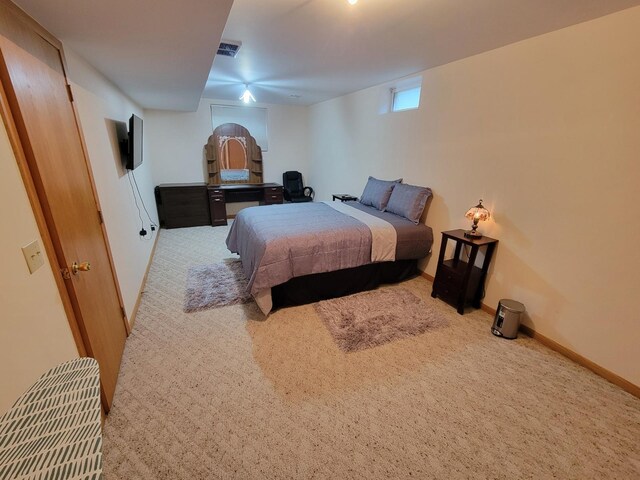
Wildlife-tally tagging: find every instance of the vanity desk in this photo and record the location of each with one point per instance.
(196, 204)
(220, 195)
(234, 171)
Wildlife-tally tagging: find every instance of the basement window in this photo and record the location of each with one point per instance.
(405, 98)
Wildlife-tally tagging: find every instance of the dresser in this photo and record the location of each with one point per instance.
(182, 205)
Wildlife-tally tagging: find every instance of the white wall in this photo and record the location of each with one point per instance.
(547, 132)
(34, 332)
(177, 139)
(100, 104)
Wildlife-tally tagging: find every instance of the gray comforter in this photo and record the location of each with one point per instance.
(279, 242)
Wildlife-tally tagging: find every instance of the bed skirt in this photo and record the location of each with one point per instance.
(321, 286)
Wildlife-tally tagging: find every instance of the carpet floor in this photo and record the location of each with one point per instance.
(224, 393)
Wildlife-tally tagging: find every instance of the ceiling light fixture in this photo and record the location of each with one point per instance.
(247, 96)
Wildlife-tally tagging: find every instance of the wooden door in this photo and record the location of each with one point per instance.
(34, 81)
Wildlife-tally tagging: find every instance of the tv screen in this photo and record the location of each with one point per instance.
(134, 157)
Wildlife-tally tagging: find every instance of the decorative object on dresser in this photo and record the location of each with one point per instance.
(343, 197)
(476, 214)
(233, 156)
(294, 189)
(457, 281)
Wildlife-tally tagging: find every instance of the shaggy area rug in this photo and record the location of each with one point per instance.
(215, 285)
(369, 319)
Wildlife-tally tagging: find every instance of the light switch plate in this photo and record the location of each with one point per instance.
(33, 255)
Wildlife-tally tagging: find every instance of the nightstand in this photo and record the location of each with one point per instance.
(343, 197)
(459, 282)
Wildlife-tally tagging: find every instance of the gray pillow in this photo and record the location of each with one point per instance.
(377, 192)
(408, 201)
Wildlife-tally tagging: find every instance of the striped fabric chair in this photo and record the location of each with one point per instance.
(54, 430)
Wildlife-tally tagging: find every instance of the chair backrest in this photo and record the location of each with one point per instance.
(292, 181)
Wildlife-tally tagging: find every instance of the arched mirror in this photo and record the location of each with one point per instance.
(233, 156)
(234, 153)
(233, 159)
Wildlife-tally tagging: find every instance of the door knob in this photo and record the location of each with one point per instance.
(80, 267)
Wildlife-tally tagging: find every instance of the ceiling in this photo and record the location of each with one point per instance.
(158, 53)
(293, 51)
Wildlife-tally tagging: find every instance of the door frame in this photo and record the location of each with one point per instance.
(34, 200)
(36, 196)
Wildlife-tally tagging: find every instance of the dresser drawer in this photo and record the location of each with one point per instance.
(447, 292)
(273, 199)
(218, 209)
(217, 206)
(445, 278)
(273, 195)
(449, 277)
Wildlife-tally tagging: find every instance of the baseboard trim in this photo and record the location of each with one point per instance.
(427, 276)
(134, 313)
(608, 375)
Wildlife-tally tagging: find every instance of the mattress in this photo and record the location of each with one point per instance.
(280, 242)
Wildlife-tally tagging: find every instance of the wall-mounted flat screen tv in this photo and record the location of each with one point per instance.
(134, 150)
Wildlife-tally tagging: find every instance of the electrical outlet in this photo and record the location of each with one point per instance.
(33, 255)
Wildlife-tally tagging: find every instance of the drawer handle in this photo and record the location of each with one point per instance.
(216, 200)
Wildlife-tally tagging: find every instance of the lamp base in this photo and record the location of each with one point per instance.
(472, 234)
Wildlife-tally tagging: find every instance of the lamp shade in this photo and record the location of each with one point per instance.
(478, 212)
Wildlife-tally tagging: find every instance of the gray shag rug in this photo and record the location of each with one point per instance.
(215, 285)
(372, 318)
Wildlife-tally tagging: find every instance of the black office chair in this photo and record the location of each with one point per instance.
(294, 189)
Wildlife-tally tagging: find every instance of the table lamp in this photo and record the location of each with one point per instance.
(476, 214)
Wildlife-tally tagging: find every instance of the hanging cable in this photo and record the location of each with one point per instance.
(135, 200)
(151, 222)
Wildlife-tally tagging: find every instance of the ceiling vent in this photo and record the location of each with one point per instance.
(229, 48)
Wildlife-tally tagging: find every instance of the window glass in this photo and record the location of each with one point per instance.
(406, 99)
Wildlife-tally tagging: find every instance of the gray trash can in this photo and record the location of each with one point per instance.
(507, 320)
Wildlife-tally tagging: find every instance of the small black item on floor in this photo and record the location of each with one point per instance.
(507, 319)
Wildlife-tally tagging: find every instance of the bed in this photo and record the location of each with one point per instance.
(299, 253)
